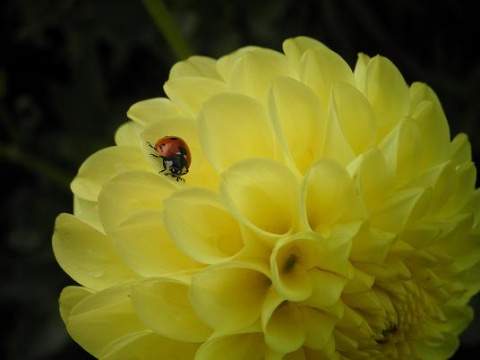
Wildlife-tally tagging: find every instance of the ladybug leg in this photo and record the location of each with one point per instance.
(153, 147)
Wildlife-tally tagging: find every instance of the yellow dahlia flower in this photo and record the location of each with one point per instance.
(326, 214)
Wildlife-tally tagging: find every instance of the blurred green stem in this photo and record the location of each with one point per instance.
(39, 167)
(164, 21)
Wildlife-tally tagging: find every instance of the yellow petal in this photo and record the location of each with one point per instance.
(103, 318)
(299, 119)
(445, 350)
(145, 246)
(321, 68)
(241, 346)
(263, 194)
(419, 92)
(371, 176)
(147, 111)
(87, 255)
(298, 354)
(146, 345)
(131, 192)
(201, 226)
(198, 66)
(282, 324)
(226, 63)
(103, 165)
(164, 306)
(371, 245)
(360, 71)
(292, 258)
(319, 327)
(229, 297)
(234, 127)
(461, 190)
(434, 131)
(128, 134)
(399, 148)
(400, 207)
(460, 150)
(335, 249)
(459, 317)
(253, 72)
(355, 118)
(328, 194)
(441, 179)
(87, 211)
(387, 92)
(327, 289)
(294, 48)
(69, 298)
(189, 93)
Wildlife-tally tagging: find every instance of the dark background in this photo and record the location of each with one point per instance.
(69, 70)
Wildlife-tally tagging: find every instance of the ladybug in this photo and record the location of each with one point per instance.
(175, 156)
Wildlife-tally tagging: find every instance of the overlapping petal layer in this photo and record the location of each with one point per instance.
(326, 214)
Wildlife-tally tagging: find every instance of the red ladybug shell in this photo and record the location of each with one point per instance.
(173, 145)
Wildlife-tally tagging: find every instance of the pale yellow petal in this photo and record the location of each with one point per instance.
(419, 92)
(69, 298)
(442, 351)
(189, 93)
(460, 150)
(441, 179)
(130, 192)
(164, 306)
(294, 48)
(335, 249)
(145, 246)
(128, 134)
(147, 111)
(103, 318)
(298, 354)
(399, 148)
(360, 71)
(321, 68)
(387, 92)
(263, 194)
(199, 66)
(253, 72)
(434, 131)
(87, 255)
(319, 327)
(229, 297)
(398, 208)
(327, 289)
(87, 211)
(459, 318)
(355, 117)
(292, 258)
(282, 324)
(102, 166)
(372, 178)
(299, 119)
(241, 346)
(225, 64)
(146, 345)
(371, 245)
(461, 190)
(328, 195)
(201, 226)
(234, 127)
